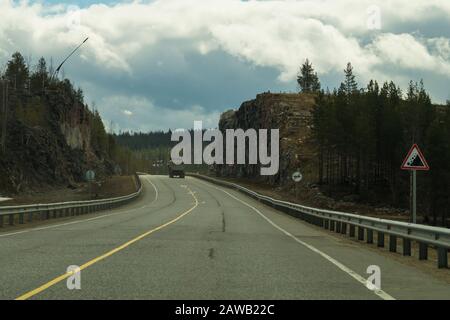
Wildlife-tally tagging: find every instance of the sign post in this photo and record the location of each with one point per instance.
(414, 195)
(90, 176)
(297, 177)
(414, 161)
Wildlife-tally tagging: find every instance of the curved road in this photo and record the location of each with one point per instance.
(189, 239)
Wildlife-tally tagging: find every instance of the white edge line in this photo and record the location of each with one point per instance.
(85, 220)
(154, 187)
(382, 294)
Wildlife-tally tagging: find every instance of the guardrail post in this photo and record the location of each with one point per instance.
(302, 216)
(380, 239)
(30, 216)
(442, 257)
(338, 227)
(321, 222)
(11, 219)
(352, 231)
(423, 251)
(344, 228)
(331, 225)
(327, 222)
(392, 243)
(369, 236)
(21, 218)
(406, 247)
(360, 233)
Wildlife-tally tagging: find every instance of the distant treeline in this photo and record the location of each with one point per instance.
(140, 140)
(364, 133)
(152, 150)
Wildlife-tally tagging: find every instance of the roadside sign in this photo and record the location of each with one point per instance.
(297, 176)
(415, 160)
(90, 175)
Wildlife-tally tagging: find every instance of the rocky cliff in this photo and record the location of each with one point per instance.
(48, 140)
(291, 114)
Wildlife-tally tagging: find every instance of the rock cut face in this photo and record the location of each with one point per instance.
(291, 114)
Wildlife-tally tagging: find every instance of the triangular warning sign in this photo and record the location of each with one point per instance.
(415, 160)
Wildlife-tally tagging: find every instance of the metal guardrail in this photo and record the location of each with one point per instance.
(359, 226)
(63, 209)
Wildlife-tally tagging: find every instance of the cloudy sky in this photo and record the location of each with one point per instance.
(163, 64)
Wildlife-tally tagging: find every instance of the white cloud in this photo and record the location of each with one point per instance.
(147, 116)
(441, 47)
(274, 34)
(405, 51)
(267, 33)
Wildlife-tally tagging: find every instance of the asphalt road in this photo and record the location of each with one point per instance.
(189, 239)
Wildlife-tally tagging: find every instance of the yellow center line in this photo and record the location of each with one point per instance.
(106, 255)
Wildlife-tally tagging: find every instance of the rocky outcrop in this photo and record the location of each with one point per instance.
(291, 114)
(49, 148)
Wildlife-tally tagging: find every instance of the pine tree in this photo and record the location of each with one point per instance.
(41, 67)
(307, 79)
(350, 84)
(39, 78)
(17, 72)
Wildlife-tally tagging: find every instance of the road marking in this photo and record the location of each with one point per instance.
(382, 294)
(108, 254)
(154, 187)
(85, 220)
